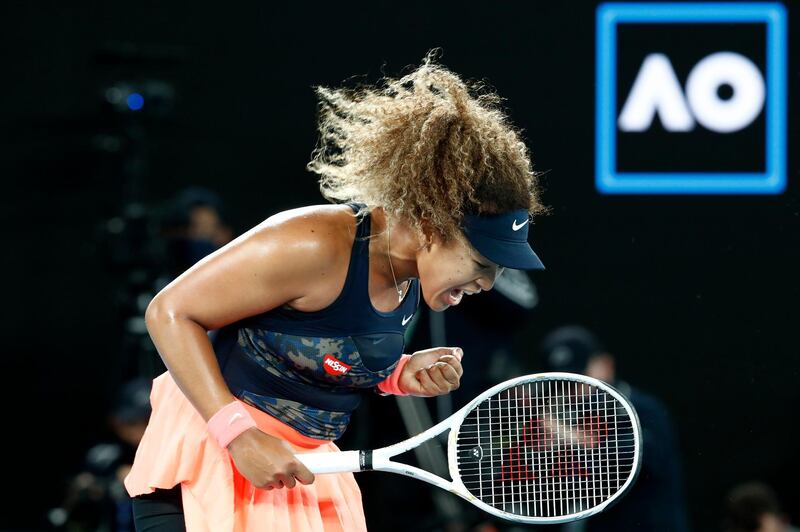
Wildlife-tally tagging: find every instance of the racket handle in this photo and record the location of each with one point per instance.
(342, 462)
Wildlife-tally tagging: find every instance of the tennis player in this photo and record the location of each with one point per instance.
(433, 190)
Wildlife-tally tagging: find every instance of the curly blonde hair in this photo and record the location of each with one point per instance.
(428, 147)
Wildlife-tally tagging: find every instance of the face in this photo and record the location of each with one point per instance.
(449, 271)
(131, 432)
(601, 367)
(772, 523)
(205, 224)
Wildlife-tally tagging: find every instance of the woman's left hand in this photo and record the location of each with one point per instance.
(432, 372)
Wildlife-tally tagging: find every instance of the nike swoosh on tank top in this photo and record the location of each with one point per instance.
(309, 369)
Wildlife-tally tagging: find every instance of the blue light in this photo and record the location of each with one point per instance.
(610, 15)
(135, 101)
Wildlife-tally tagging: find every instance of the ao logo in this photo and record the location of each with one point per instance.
(722, 112)
(657, 90)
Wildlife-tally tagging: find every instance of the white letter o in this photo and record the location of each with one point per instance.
(738, 112)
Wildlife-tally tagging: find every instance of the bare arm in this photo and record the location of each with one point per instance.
(297, 257)
(280, 261)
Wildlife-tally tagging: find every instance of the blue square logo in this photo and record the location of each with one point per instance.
(691, 98)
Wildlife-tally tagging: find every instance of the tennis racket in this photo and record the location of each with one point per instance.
(543, 448)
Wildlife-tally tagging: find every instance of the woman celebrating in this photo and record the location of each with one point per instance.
(309, 307)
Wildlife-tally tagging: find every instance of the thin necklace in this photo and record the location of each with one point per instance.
(389, 256)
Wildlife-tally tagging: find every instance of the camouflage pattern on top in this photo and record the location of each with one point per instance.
(302, 360)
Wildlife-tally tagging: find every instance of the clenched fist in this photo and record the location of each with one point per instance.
(432, 372)
(267, 462)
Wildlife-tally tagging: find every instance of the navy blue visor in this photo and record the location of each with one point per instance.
(503, 239)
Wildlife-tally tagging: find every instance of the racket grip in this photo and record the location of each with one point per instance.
(341, 462)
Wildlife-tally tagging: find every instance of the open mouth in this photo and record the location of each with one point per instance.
(454, 296)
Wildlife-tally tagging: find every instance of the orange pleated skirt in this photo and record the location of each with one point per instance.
(177, 449)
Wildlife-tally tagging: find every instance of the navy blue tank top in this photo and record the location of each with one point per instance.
(309, 369)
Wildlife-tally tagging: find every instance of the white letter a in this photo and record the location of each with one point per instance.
(656, 89)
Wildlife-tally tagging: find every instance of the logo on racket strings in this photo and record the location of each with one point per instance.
(477, 453)
(334, 367)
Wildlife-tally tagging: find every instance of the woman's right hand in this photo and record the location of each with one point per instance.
(266, 461)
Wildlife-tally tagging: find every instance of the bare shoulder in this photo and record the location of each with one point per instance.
(298, 257)
(313, 246)
(320, 231)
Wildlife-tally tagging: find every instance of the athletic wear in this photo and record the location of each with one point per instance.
(177, 449)
(299, 375)
(308, 369)
(503, 239)
(160, 511)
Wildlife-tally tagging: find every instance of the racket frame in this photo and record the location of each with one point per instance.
(381, 459)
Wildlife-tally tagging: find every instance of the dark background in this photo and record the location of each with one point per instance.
(699, 150)
(697, 296)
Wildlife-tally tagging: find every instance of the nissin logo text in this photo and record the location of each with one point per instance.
(333, 366)
(691, 98)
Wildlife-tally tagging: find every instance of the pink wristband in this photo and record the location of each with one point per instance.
(391, 385)
(230, 421)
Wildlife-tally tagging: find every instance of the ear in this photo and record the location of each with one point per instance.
(427, 236)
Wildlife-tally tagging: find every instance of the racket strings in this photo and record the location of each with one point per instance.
(546, 448)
